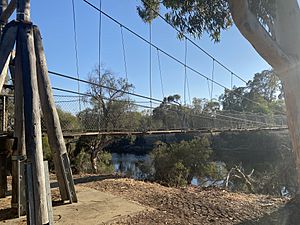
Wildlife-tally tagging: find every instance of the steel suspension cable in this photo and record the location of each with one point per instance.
(150, 62)
(160, 74)
(168, 54)
(148, 107)
(99, 40)
(76, 50)
(124, 52)
(185, 70)
(191, 41)
(212, 78)
(136, 95)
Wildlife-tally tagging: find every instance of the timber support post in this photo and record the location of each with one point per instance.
(6, 145)
(32, 91)
(55, 135)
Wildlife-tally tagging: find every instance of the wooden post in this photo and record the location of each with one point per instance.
(19, 133)
(5, 150)
(33, 134)
(4, 127)
(55, 135)
(4, 72)
(3, 6)
(6, 46)
(8, 10)
(23, 10)
(3, 178)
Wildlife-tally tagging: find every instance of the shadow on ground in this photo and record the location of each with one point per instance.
(6, 214)
(88, 179)
(289, 214)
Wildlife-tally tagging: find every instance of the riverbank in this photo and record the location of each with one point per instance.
(157, 204)
(191, 205)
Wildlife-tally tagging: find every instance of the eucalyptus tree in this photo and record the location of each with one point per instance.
(271, 26)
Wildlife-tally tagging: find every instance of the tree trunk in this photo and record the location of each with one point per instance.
(282, 52)
(288, 37)
(94, 161)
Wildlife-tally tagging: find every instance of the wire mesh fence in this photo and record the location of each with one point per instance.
(136, 117)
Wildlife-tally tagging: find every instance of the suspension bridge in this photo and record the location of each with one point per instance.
(75, 102)
(32, 103)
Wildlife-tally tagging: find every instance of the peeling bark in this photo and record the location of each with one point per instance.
(283, 55)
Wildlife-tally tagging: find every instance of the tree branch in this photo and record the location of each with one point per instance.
(259, 38)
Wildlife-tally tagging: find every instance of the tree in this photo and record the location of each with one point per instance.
(176, 164)
(265, 89)
(110, 109)
(171, 113)
(271, 27)
(67, 120)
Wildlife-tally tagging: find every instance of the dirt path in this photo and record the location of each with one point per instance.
(94, 207)
(126, 201)
(188, 206)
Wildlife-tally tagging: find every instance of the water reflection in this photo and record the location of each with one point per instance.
(140, 167)
(136, 166)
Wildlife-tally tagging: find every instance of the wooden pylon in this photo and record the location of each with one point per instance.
(32, 87)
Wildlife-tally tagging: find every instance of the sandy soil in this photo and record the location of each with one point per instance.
(125, 201)
(190, 205)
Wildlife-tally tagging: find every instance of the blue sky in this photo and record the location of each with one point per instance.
(55, 21)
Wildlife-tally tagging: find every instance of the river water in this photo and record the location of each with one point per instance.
(140, 166)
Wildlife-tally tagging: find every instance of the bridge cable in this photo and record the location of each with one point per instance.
(76, 50)
(150, 62)
(168, 109)
(188, 89)
(212, 79)
(99, 57)
(99, 40)
(137, 95)
(191, 41)
(231, 81)
(208, 87)
(124, 53)
(168, 54)
(185, 69)
(160, 73)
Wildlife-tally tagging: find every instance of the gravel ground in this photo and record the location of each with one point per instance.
(190, 205)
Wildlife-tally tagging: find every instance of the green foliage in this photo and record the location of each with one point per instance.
(67, 120)
(265, 89)
(176, 164)
(193, 16)
(83, 163)
(269, 154)
(196, 17)
(48, 155)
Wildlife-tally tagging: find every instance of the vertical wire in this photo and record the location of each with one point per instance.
(185, 69)
(208, 87)
(99, 56)
(188, 89)
(212, 80)
(160, 74)
(150, 63)
(124, 53)
(76, 51)
(99, 39)
(231, 81)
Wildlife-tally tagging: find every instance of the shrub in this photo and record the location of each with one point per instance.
(177, 164)
(83, 163)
